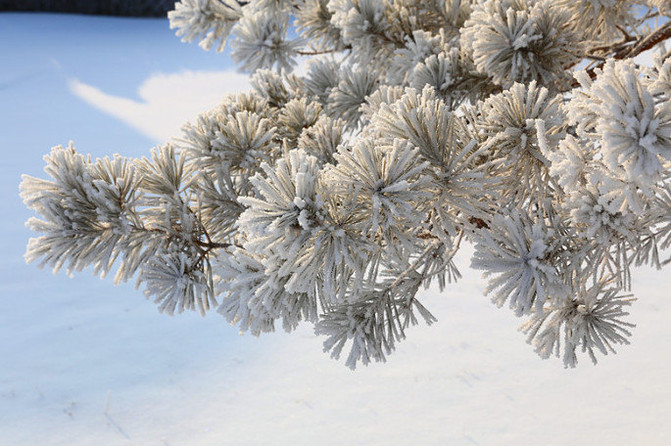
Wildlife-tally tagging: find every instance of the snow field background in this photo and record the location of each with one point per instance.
(85, 363)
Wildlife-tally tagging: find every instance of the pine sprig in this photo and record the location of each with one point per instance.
(523, 127)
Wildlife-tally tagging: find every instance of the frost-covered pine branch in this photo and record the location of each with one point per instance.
(522, 127)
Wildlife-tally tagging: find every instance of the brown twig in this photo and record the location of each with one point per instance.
(661, 34)
(626, 50)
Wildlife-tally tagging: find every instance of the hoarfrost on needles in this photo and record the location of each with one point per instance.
(523, 127)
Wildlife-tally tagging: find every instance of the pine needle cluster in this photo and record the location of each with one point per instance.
(522, 127)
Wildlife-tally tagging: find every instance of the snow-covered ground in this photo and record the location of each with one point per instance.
(85, 363)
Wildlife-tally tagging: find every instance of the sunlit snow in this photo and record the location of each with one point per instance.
(166, 102)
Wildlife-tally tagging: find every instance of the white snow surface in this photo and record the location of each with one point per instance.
(85, 363)
(167, 101)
